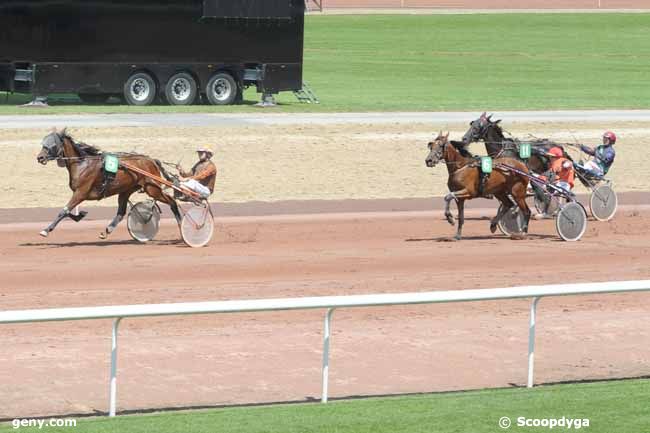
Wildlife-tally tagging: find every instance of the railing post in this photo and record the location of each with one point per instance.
(531, 341)
(113, 384)
(326, 354)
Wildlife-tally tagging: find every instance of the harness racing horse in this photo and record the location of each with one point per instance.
(498, 145)
(465, 177)
(86, 178)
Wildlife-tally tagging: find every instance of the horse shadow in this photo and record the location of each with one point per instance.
(529, 237)
(128, 242)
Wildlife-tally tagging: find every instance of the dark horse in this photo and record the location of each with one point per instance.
(498, 145)
(86, 174)
(465, 177)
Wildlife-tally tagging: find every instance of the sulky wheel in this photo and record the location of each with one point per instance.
(603, 203)
(197, 226)
(143, 221)
(571, 221)
(511, 221)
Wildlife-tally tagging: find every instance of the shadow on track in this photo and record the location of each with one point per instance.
(171, 242)
(529, 237)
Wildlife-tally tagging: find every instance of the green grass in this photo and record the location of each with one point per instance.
(611, 407)
(469, 62)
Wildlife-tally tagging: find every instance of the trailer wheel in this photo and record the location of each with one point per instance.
(221, 89)
(94, 98)
(140, 89)
(181, 89)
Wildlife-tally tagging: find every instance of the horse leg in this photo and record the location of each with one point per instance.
(462, 194)
(448, 198)
(75, 201)
(507, 204)
(156, 193)
(461, 217)
(520, 199)
(122, 201)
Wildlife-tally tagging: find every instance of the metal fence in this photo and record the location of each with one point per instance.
(117, 313)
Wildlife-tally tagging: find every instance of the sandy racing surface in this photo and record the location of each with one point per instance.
(301, 162)
(62, 368)
(287, 247)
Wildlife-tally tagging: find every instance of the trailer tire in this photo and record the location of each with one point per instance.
(140, 89)
(181, 89)
(94, 98)
(221, 89)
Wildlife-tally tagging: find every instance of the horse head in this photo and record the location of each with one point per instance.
(479, 128)
(51, 147)
(437, 149)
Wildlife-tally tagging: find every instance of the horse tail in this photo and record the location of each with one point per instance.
(165, 173)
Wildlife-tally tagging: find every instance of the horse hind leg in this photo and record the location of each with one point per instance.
(156, 193)
(506, 205)
(520, 199)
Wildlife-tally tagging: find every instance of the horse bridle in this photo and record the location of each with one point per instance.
(55, 145)
(439, 153)
(477, 132)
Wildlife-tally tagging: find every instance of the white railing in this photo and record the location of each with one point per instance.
(328, 302)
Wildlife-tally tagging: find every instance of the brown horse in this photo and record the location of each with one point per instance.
(465, 177)
(87, 182)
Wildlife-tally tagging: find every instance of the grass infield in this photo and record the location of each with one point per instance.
(454, 62)
(610, 407)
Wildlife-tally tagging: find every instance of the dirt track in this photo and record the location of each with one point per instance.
(63, 368)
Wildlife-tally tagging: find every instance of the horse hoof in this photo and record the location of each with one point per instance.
(493, 228)
(44, 233)
(450, 219)
(102, 236)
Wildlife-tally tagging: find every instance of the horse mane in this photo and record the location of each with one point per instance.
(460, 147)
(84, 149)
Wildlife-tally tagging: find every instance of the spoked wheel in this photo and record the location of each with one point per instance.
(512, 221)
(603, 203)
(571, 221)
(197, 226)
(143, 221)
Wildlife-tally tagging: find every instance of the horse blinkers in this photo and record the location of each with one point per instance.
(52, 147)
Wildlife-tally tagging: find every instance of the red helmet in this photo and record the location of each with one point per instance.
(610, 136)
(556, 152)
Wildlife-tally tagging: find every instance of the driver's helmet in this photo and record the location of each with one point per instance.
(610, 136)
(556, 152)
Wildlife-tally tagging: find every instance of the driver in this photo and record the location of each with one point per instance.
(603, 155)
(201, 177)
(561, 173)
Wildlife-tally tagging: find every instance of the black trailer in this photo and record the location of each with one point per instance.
(178, 50)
